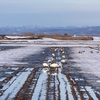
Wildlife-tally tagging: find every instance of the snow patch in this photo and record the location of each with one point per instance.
(96, 38)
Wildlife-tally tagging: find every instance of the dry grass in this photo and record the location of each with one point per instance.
(54, 36)
(60, 37)
(1, 37)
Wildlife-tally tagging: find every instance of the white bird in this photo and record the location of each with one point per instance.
(63, 56)
(49, 61)
(63, 52)
(62, 49)
(42, 52)
(55, 49)
(54, 65)
(45, 64)
(64, 61)
(44, 70)
(53, 55)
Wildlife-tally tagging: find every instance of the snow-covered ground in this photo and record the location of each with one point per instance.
(17, 37)
(96, 38)
(12, 56)
(88, 59)
(85, 54)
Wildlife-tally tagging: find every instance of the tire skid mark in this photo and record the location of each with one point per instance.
(85, 95)
(97, 95)
(54, 88)
(51, 88)
(90, 93)
(40, 90)
(87, 91)
(48, 84)
(52, 85)
(78, 90)
(58, 88)
(28, 87)
(8, 81)
(74, 90)
(15, 87)
(43, 89)
(68, 88)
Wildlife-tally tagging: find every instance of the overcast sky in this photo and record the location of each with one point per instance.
(50, 12)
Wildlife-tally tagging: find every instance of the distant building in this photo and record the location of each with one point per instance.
(74, 35)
